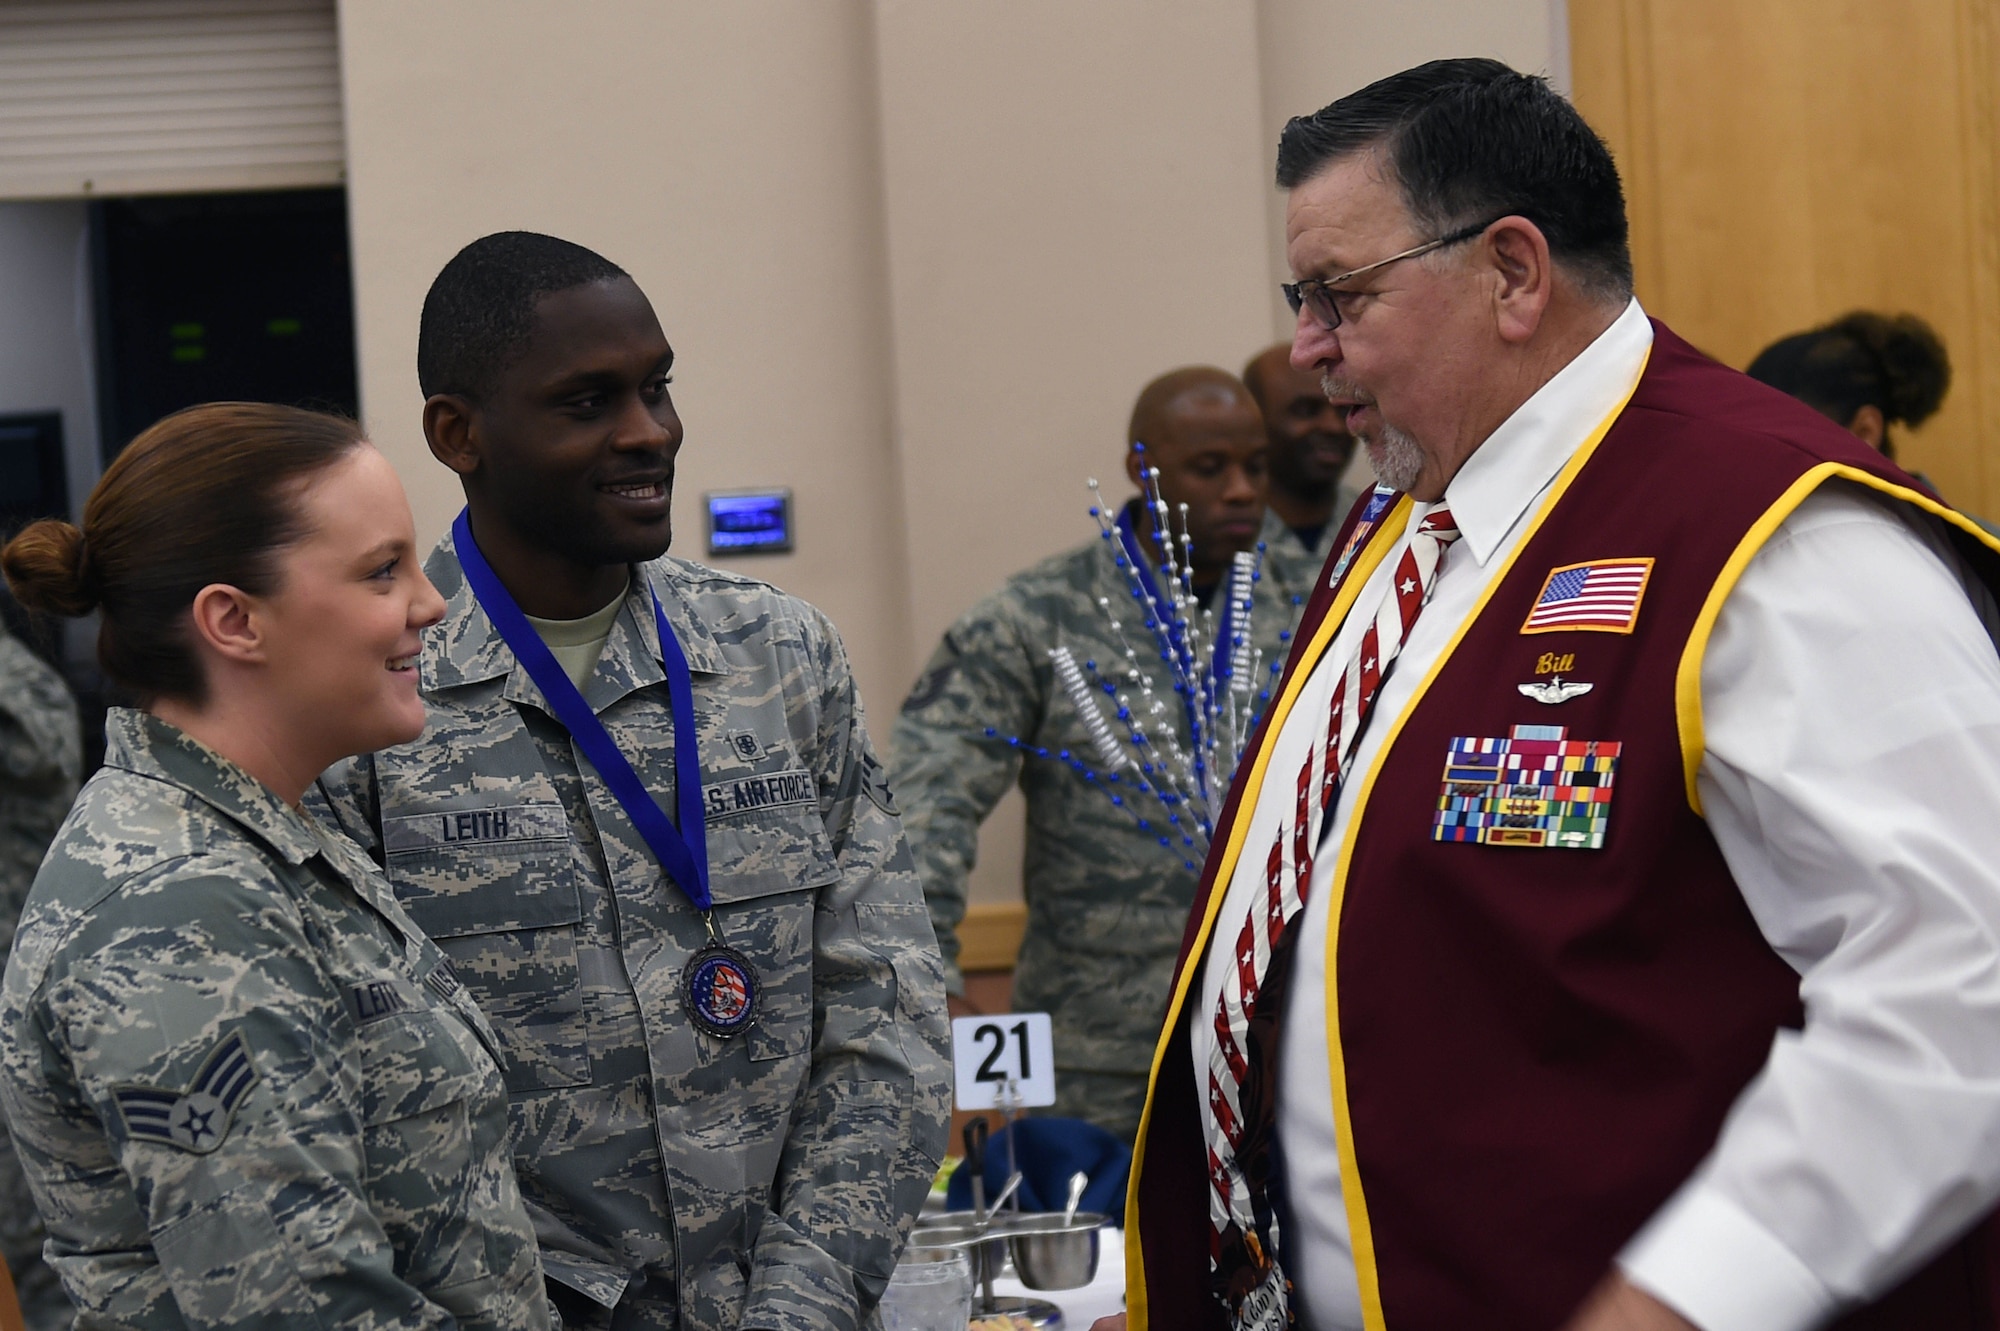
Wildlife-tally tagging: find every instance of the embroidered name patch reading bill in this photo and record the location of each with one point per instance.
(1535, 788)
(198, 1118)
(1599, 597)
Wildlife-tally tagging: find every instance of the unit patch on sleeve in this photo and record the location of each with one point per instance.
(198, 1118)
(1535, 788)
(1601, 596)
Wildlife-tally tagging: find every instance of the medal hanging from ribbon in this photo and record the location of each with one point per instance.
(719, 986)
(1379, 500)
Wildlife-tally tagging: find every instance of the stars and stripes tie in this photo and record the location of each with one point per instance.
(1240, 1215)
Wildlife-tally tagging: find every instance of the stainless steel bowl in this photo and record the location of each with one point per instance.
(984, 1246)
(1049, 1254)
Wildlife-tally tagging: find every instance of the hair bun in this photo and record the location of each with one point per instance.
(1915, 368)
(49, 570)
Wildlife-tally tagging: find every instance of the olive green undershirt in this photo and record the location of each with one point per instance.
(577, 643)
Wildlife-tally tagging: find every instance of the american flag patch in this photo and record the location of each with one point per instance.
(1601, 596)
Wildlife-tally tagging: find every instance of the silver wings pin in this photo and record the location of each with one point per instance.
(1555, 690)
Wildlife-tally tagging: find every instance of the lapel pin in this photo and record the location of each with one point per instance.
(1555, 690)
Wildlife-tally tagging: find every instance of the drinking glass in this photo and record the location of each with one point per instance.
(930, 1290)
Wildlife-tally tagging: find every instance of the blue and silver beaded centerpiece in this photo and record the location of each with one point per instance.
(1175, 653)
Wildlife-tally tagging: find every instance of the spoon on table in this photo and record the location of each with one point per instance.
(1006, 1191)
(1077, 1183)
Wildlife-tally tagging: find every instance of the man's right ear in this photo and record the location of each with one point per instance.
(448, 430)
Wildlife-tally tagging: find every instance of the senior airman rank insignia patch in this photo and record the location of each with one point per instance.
(198, 1118)
(1537, 787)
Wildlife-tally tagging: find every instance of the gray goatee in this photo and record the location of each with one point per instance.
(1394, 455)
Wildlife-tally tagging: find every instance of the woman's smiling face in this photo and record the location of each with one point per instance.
(345, 622)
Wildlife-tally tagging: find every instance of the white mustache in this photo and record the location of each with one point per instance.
(1338, 389)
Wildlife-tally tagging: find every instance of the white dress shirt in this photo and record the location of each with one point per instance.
(1851, 702)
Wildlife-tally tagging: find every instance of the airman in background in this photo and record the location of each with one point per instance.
(41, 758)
(1309, 452)
(1107, 885)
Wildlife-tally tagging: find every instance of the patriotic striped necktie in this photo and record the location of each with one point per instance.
(1243, 1230)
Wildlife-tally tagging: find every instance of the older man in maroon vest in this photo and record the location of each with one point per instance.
(1603, 931)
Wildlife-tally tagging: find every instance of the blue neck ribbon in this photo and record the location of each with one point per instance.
(682, 851)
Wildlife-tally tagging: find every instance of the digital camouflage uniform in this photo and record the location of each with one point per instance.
(41, 756)
(766, 1180)
(1106, 901)
(247, 1092)
(1288, 555)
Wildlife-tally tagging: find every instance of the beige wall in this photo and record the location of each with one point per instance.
(1075, 205)
(727, 156)
(917, 257)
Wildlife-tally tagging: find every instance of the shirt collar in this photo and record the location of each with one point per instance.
(465, 648)
(1517, 462)
(141, 743)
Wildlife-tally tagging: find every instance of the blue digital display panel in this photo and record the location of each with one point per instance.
(746, 522)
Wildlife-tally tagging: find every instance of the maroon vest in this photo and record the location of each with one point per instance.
(1538, 1045)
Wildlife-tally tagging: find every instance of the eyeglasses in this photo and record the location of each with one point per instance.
(1318, 294)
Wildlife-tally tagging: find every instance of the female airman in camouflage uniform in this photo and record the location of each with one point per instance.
(246, 1089)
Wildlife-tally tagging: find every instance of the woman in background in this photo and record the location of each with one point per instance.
(247, 1091)
(1863, 371)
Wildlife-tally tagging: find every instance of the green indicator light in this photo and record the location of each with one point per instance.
(185, 332)
(283, 327)
(189, 353)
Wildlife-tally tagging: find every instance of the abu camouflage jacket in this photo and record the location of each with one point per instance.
(766, 1180)
(246, 1090)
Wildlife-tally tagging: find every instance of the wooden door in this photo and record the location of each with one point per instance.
(1788, 160)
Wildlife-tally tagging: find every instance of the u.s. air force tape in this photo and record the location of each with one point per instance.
(771, 790)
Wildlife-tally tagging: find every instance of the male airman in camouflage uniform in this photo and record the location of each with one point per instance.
(764, 1180)
(1309, 451)
(1108, 886)
(41, 756)
(247, 1091)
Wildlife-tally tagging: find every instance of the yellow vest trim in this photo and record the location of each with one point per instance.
(1361, 1234)
(1377, 548)
(1687, 679)
(1387, 532)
